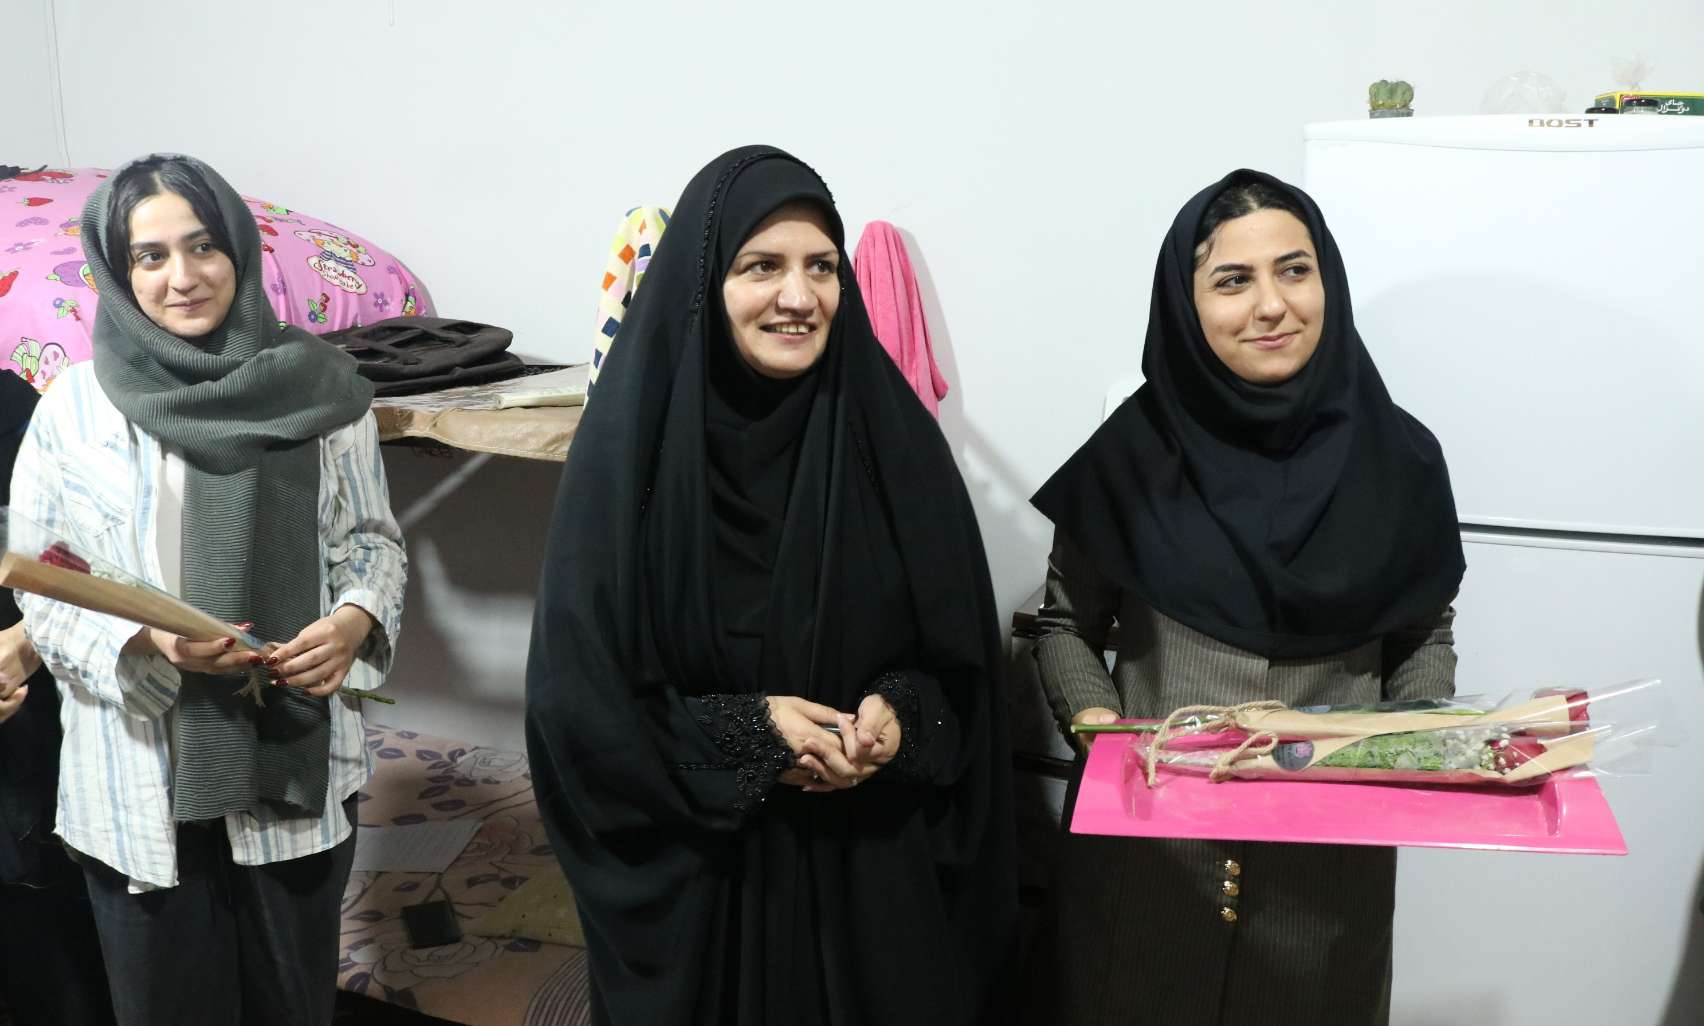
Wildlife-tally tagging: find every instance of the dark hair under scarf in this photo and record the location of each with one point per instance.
(148, 177)
(860, 557)
(246, 405)
(1292, 520)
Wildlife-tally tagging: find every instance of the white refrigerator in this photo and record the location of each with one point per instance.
(1533, 290)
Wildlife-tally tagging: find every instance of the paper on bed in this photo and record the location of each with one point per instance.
(415, 848)
(566, 387)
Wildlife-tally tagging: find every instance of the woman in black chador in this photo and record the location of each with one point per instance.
(762, 702)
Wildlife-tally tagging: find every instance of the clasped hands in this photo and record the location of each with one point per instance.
(868, 740)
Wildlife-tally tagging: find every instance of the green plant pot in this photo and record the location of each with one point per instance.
(1397, 112)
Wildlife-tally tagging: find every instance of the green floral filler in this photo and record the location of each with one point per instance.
(1454, 749)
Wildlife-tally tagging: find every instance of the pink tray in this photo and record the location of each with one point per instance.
(1568, 814)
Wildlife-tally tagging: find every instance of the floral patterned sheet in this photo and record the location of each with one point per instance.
(480, 981)
(318, 276)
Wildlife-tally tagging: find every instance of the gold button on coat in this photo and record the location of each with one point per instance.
(1228, 914)
(1233, 867)
(1231, 889)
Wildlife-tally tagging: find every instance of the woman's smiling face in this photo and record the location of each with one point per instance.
(1259, 296)
(180, 279)
(782, 291)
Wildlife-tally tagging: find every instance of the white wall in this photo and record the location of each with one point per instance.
(29, 128)
(1035, 158)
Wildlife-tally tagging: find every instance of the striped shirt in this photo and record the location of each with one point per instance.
(87, 474)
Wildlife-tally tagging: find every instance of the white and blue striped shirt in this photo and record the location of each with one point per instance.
(87, 474)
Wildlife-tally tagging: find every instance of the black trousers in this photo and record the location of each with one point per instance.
(256, 945)
(51, 972)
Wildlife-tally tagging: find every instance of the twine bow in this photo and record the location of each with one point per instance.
(256, 682)
(1256, 744)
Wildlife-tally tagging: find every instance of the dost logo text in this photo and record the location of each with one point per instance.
(1562, 122)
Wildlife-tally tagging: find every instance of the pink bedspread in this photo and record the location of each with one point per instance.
(318, 276)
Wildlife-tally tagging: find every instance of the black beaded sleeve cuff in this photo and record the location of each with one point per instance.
(742, 729)
(901, 694)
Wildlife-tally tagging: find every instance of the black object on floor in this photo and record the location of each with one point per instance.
(431, 924)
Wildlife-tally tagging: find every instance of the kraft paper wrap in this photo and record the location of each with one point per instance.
(1267, 724)
(146, 606)
(1546, 716)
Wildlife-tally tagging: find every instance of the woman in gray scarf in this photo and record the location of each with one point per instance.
(231, 460)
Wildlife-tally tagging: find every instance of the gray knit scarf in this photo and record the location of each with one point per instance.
(246, 405)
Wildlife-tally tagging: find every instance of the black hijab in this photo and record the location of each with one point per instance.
(720, 534)
(723, 529)
(753, 427)
(1290, 520)
(29, 741)
(17, 404)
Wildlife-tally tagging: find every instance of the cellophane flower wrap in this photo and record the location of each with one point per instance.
(1517, 740)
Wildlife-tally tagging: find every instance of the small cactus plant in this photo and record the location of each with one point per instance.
(1383, 95)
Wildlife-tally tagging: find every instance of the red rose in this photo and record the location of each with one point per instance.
(59, 554)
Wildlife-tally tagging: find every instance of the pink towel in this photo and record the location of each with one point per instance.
(896, 310)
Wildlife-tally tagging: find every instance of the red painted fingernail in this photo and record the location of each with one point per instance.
(283, 683)
(230, 641)
(272, 661)
(254, 660)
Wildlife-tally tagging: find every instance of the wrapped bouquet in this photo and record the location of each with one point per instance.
(66, 572)
(1517, 740)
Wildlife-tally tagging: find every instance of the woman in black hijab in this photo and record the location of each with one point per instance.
(53, 972)
(760, 531)
(1262, 522)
